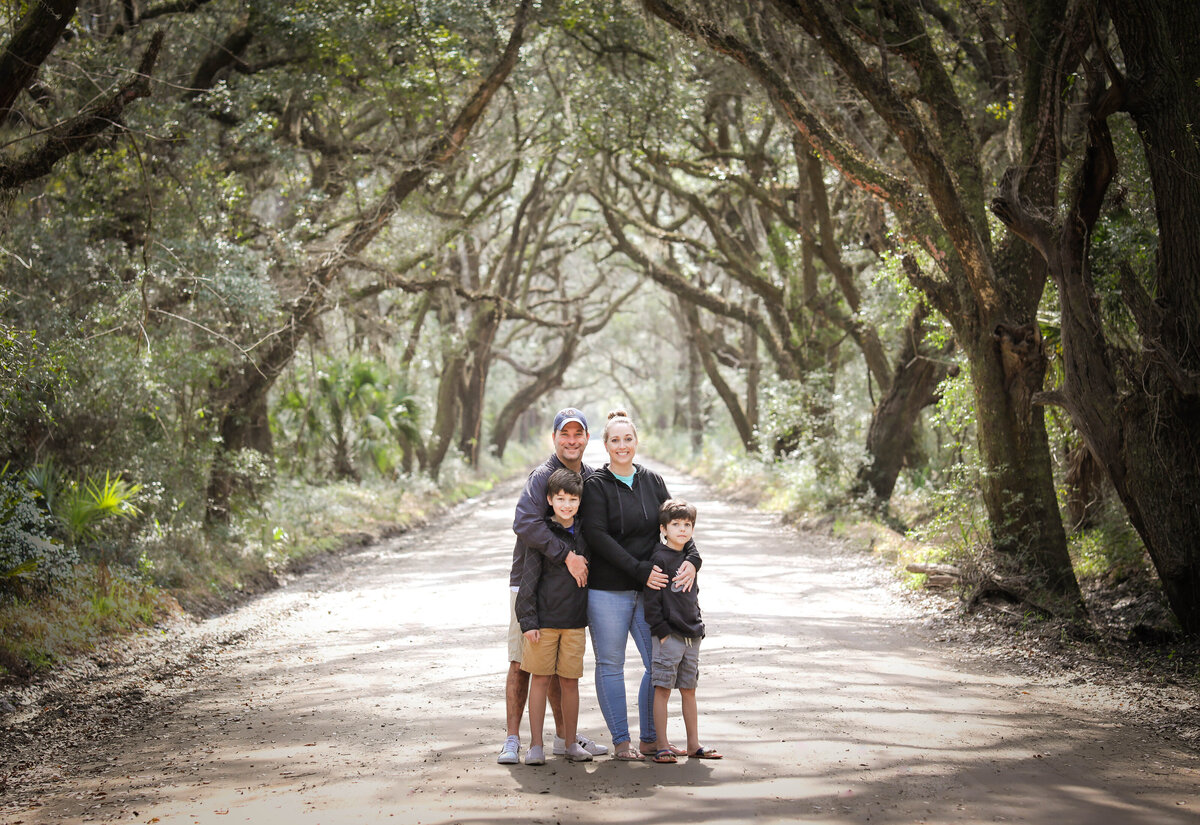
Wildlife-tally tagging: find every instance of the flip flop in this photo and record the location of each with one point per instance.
(671, 748)
(705, 753)
(665, 757)
(629, 755)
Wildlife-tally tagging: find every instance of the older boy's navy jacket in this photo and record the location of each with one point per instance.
(529, 523)
(673, 611)
(548, 596)
(621, 525)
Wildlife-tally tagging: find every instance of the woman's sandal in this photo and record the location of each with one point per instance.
(665, 757)
(705, 753)
(671, 748)
(628, 754)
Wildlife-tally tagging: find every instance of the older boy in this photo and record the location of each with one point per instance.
(570, 436)
(552, 610)
(674, 618)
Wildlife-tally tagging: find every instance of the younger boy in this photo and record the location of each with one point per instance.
(674, 618)
(552, 610)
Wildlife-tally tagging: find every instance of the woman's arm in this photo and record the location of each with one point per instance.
(655, 615)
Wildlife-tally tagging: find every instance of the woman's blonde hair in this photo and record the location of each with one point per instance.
(618, 417)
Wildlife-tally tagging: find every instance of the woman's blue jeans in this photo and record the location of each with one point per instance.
(614, 616)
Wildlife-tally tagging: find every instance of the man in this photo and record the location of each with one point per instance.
(570, 437)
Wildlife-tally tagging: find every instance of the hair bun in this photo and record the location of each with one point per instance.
(618, 414)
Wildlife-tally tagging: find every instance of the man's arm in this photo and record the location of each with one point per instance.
(691, 554)
(529, 524)
(689, 567)
(527, 594)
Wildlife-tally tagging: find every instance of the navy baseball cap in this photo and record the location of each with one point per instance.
(568, 415)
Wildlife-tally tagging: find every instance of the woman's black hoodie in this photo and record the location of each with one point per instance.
(620, 524)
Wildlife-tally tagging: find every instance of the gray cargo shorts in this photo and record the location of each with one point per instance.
(676, 664)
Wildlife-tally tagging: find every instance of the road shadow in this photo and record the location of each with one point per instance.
(373, 692)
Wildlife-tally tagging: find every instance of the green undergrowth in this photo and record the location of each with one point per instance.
(183, 567)
(942, 527)
(39, 629)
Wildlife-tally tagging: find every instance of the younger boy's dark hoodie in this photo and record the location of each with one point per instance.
(548, 596)
(670, 611)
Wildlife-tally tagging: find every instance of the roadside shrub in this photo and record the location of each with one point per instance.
(28, 551)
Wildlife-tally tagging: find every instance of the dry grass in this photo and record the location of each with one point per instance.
(37, 630)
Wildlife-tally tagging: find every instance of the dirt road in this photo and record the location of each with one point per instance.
(371, 691)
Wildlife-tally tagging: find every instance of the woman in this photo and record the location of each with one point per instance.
(620, 525)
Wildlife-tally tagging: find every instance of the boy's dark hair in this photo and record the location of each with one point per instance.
(566, 481)
(676, 508)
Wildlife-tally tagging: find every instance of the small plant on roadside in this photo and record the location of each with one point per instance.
(348, 420)
(97, 601)
(82, 508)
(1111, 550)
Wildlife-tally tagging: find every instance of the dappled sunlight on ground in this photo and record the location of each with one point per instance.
(372, 692)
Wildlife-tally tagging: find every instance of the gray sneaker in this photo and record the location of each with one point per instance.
(535, 755)
(577, 753)
(508, 754)
(594, 748)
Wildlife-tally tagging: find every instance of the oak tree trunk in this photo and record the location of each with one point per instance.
(989, 296)
(545, 380)
(36, 35)
(890, 434)
(1007, 369)
(1142, 421)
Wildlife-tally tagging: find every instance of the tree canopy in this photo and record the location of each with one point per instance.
(900, 245)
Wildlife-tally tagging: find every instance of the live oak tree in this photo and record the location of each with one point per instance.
(1131, 368)
(201, 194)
(26, 102)
(759, 210)
(901, 65)
(736, 205)
(241, 391)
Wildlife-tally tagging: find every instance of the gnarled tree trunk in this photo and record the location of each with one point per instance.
(1140, 412)
(890, 434)
(989, 296)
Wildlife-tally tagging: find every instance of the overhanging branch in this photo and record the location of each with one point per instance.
(79, 131)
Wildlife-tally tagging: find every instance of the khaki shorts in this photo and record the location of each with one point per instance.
(516, 641)
(557, 653)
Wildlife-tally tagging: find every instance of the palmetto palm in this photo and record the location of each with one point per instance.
(358, 415)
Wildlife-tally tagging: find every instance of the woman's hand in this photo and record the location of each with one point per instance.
(657, 579)
(686, 576)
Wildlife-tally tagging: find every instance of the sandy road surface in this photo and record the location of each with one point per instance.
(370, 691)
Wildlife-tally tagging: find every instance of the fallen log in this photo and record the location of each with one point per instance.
(934, 569)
